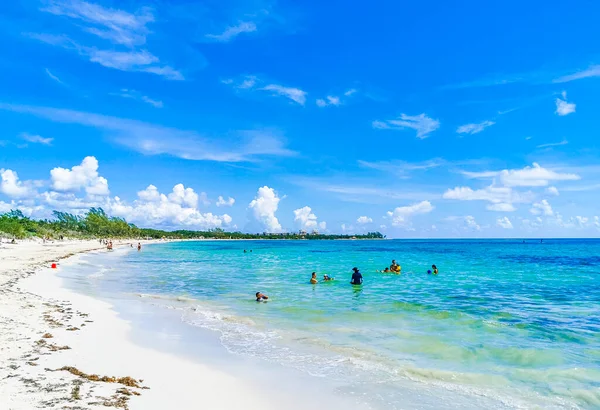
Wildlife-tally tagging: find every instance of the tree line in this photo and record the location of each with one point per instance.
(97, 224)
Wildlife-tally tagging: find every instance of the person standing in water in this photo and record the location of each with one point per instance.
(139, 246)
(313, 279)
(435, 269)
(357, 278)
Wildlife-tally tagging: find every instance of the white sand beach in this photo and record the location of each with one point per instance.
(45, 328)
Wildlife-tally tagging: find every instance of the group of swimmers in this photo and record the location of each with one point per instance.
(357, 278)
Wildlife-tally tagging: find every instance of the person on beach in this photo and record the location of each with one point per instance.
(313, 279)
(109, 246)
(261, 297)
(434, 269)
(357, 278)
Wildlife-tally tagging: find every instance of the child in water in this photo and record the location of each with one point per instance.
(327, 278)
(435, 269)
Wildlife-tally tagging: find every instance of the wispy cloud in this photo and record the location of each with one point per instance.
(295, 94)
(122, 28)
(563, 107)
(330, 100)
(118, 26)
(529, 176)
(421, 123)
(593, 71)
(350, 92)
(53, 77)
(553, 144)
(152, 139)
(232, 32)
(251, 83)
(403, 168)
(135, 95)
(474, 128)
(36, 139)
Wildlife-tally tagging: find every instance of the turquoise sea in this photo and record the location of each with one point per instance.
(505, 324)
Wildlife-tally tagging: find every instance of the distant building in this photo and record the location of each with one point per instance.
(302, 232)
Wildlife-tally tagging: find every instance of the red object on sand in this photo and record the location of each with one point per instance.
(54, 266)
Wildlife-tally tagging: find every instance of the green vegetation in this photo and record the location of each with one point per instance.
(97, 224)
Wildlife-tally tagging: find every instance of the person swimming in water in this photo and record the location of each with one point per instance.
(261, 297)
(386, 270)
(357, 278)
(395, 267)
(327, 278)
(434, 269)
(313, 279)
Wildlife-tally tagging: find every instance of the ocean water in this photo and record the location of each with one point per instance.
(505, 324)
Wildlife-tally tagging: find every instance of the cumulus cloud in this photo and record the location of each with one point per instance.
(563, 107)
(421, 123)
(529, 176)
(504, 223)
(552, 190)
(400, 215)
(305, 219)
(474, 128)
(364, 220)
(471, 223)
(178, 208)
(264, 207)
(11, 186)
(225, 202)
(542, 207)
(84, 176)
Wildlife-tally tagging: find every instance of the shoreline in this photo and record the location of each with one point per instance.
(65, 349)
(54, 341)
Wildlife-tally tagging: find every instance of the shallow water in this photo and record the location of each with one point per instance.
(505, 323)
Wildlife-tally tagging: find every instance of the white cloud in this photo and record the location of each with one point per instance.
(178, 208)
(423, 124)
(542, 207)
(471, 223)
(400, 215)
(53, 77)
(305, 219)
(232, 32)
(294, 94)
(118, 26)
(36, 139)
(563, 107)
(504, 223)
(350, 92)
(493, 194)
(11, 186)
(597, 221)
(323, 226)
(474, 128)
(534, 176)
(552, 190)
(225, 202)
(151, 139)
(553, 144)
(264, 207)
(581, 221)
(593, 71)
(134, 95)
(330, 100)
(84, 176)
(364, 220)
(501, 207)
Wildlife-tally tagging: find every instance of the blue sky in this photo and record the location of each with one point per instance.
(417, 120)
